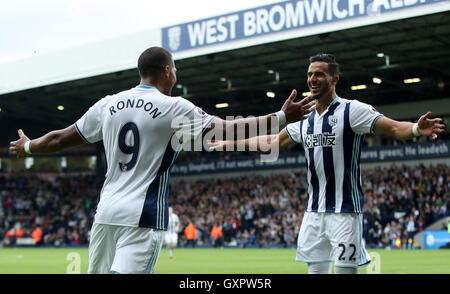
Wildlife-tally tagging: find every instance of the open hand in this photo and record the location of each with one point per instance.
(296, 111)
(430, 127)
(217, 145)
(16, 147)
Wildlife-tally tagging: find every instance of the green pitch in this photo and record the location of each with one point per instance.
(221, 261)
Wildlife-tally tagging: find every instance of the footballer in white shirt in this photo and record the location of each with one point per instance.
(172, 232)
(332, 137)
(143, 129)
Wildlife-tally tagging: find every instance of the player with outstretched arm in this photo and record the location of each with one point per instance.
(332, 138)
(141, 141)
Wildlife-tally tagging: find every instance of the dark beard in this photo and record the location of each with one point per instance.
(321, 94)
(317, 97)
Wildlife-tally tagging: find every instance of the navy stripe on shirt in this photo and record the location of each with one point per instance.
(154, 216)
(328, 164)
(348, 142)
(301, 131)
(312, 167)
(360, 195)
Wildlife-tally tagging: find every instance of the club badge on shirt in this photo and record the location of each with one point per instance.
(332, 120)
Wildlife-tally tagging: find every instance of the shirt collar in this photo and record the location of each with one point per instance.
(146, 87)
(335, 100)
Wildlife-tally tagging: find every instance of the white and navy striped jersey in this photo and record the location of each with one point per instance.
(332, 142)
(138, 132)
(173, 224)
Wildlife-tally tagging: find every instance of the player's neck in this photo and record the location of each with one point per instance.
(325, 101)
(161, 87)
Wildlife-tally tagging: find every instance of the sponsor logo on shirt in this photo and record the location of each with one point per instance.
(320, 140)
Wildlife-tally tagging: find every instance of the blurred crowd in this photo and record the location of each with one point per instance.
(56, 212)
(250, 211)
(267, 211)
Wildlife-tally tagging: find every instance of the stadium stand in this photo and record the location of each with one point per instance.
(62, 208)
(253, 211)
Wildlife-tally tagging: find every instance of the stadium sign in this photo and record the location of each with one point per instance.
(368, 154)
(436, 239)
(282, 17)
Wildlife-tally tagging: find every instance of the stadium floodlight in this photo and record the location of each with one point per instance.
(359, 87)
(306, 94)
(271, 94)
(412, 80)
(60, 107)
(222, 105)
(277, 77)
(179, 86)
(376, 80)
(386, 58)
(223, 79)
(270, 71)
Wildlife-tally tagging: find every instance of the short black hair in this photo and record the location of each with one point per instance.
(333, 66)
(152, 61)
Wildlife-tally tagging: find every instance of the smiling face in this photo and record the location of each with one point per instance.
(320, 82)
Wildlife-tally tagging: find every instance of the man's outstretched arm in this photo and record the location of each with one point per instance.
(259, 143)
(241, 128)
(51, 142)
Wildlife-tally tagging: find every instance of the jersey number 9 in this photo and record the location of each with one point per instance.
(134, 149)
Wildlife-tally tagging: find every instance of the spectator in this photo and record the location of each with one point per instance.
(19, 233)
(217, 235)
(10, 237)
(36, 234)
(191, 233)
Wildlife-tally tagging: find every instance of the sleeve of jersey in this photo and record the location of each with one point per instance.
(293, 131)
(363, 117)
(201, 121)
(89, 126)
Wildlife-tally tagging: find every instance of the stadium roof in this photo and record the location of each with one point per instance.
(393, 52)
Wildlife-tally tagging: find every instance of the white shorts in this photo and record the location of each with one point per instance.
(332, 237)
(171, 238)
(123, 250)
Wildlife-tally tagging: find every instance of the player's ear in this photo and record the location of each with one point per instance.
(335, 79)
(166, 71)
